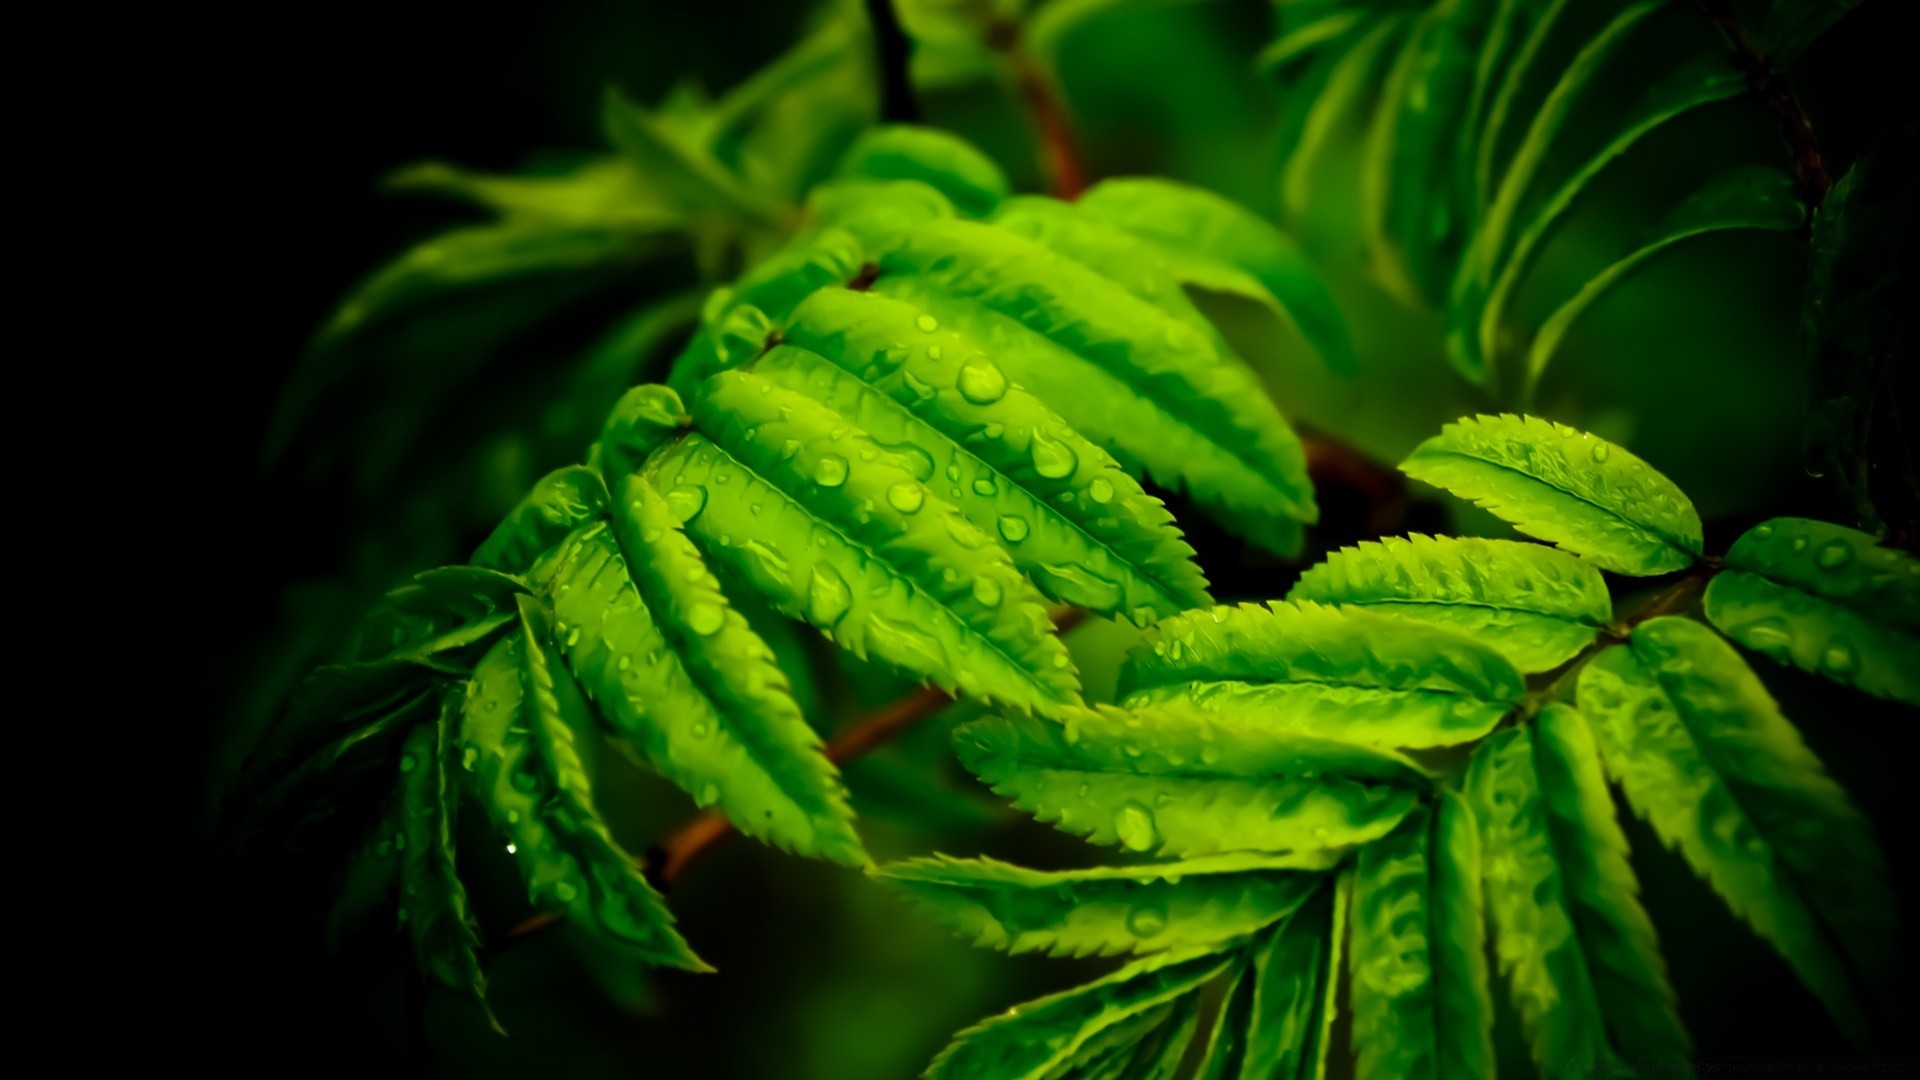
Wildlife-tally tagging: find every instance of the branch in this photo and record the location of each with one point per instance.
(1046, 110)
(892, 51)
(1773, 91)
(1679, 597)
(667, 862)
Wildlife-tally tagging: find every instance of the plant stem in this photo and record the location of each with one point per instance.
(668, 861)
(1677, 598)
(892, 51)
(1046, 109)
(1774, 92)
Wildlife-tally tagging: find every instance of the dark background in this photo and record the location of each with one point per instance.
(269, 131)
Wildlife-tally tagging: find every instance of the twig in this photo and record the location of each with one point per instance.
(1679, 597)
(668, 861)
(1046, 109)
(1773, 91)
(892, 51)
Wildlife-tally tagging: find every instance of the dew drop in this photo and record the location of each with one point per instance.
(906, 497)
(927, 323)
(1833, 555)
(984, 486)
(831, 472)
(1133, 824)
(1013, 528)
(1100, 491)
(1052, 458)
(933, 352)
(564, 891)
(685, 502)
(1146, 920)
(1601, 451)
(706, 619)
(709, 794)
(987, 591)
(981, 382)
(828, 597)
(407, 763)
(1839, 657)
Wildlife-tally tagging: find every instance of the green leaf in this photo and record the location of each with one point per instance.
(687, 683)
(1481, 303)
(1135, 264)
(873, 210)
(599, 191)
(1073, 520)
(833, 529)
(1218, 245)
(1535, 605)
(518, 734)
(1105, 910)
(1792, 25)
(465, 259)
(686, 173)
(1177, 782)
(830, 257)
(1706, 757)
(1296, 969)
(1225, 1053)
(433, 902)
(1752, 197)
(949, 164)
(367, 879)
(1578, 951)
(1566, 487)
(1037, 1040)
(1417, 961)
(440, 617)
(563, 500)
(1307, 669)
(1826, 599)
(1347, 80)
(344, 727)
(645, 419)
(1156, 392)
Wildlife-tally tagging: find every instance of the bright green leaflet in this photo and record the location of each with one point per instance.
(1215, 244)
(1039, 1038)
(1707, 759)
(1181, 783)
(1106, 910)
(1567, 488)
(686, 173)
(545, 809)
(1308, 669)
(1193, 417)
(1826, 599)
(433, 902)
(1537, 606)
(951, 165)
(1579, 954)
(1295, 976)
(1753, 198)
(683, 680)
(599, 191)
(1074, 521)
(563, 500)
(1417, 961)
(837, 531)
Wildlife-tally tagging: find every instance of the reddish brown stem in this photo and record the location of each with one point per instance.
(1046, 109)
(1772, 90)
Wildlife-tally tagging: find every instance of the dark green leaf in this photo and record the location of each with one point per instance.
(1707, 759)
(1826, 599)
